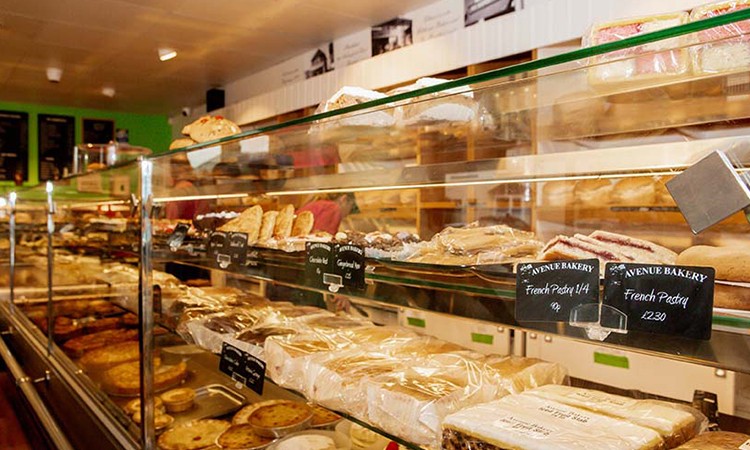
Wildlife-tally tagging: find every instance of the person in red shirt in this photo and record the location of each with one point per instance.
(330, 212)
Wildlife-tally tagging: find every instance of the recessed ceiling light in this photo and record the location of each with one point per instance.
(165, 54)
(108, 91)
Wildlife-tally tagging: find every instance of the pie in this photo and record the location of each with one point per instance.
(193, 435)
(78, 346)
(241, 437)
(323, 417)
(281, 414)
(106, 357)
(178, 400)
(124, 379)
(134, 405)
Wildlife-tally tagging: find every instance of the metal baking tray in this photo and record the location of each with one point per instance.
(212, 400)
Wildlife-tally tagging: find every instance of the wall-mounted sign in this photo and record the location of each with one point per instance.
(14, 144)
(56, 141)
(98, 131)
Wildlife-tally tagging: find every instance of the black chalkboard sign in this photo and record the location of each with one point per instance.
(56, 142)
(318, 262)
(227, 249)
(98, 131)
(676, 300)
(14, 144)
(548, 291)
(242, 367)
(349, 264)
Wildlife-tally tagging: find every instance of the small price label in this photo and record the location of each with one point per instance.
(177, 237)
(318, 262)
(228, 249)
(243, 367)
(548, 291)
(332, 266)
(349, 264)
(675, 300)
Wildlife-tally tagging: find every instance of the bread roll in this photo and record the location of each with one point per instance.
(593, 192)
(208, 128)
(284, 221)
(303, 223)
(731, 263)
(640, 191)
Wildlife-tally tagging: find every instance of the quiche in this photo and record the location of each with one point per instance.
(242, 437)
(282, 414)
(124, 379)
(112, 355)
(323, 417)
(192, 435)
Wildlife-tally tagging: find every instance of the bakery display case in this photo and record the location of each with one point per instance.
(364, 272)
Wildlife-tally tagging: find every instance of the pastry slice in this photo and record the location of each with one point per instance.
(248, 222)
(267, 225)
(283, 227)
(303, 224)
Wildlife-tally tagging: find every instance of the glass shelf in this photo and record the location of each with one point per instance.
(491, 297)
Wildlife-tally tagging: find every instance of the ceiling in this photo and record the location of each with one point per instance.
(114, 43)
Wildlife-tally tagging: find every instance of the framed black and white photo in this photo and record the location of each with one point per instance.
(391, 35)
(476, 10)
(321, 61)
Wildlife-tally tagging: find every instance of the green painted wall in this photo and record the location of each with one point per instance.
(145, 130)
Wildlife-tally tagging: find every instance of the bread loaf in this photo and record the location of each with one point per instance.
(594, 192)
(730, 263)
(640, 191)
(303, 224)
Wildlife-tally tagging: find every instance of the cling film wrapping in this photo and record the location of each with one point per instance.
(527, 422)
(675, 423)
(664, 58)
(723, 48)
(515, 374)
(413, 402)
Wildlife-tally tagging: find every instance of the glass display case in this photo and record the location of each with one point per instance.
(307, 260)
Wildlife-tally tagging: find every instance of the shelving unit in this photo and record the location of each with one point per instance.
(529, 129)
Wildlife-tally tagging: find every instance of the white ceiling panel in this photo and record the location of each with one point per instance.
(115, 43)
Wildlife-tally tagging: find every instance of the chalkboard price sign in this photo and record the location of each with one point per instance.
(676, 300)
(56, 142)
(548, 291)
(242, 367)
(14, 144)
